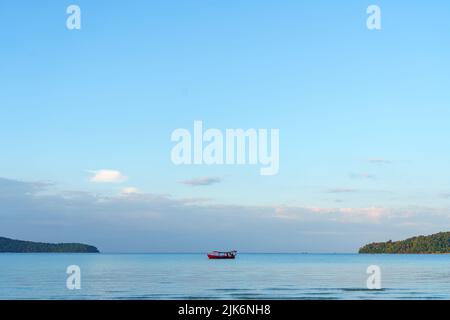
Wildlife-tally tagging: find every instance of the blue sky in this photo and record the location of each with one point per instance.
(363, 118)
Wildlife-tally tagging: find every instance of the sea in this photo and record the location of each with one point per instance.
(249, 276)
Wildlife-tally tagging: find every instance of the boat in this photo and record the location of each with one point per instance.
(222, 255)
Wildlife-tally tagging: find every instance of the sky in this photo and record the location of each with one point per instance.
(86, 118)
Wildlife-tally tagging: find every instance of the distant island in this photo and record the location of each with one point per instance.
(435, 244)
(19, 246)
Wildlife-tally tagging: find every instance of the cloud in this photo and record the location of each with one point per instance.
(107, 176)
(130, 190)
(205, 181)
(14, 188)
(371, 213)
(363, 175)
(146, 222)
(341, 190)
(358, 215)
(379, 161)
(23, 192)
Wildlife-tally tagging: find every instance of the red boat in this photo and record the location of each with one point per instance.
(222, 255)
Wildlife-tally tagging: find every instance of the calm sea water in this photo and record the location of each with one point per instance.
(250, 276)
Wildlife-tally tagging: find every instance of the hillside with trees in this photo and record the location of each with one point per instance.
(436, 243)
(19, 246)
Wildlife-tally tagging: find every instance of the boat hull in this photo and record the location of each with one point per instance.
(214, 257)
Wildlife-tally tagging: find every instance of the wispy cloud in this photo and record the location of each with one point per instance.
(203, 181)
(340, 214)
(107, 176)
(341, 190)
(358, 215)
(362, 175)
(379, 161)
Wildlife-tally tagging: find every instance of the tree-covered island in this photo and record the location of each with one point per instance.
(434, 244)
(19, 246)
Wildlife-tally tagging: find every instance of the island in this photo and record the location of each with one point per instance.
(438, 243)
(18, 246)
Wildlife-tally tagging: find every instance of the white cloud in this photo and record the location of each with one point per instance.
(130, 190)
(107, 176)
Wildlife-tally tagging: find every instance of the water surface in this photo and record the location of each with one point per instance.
(250, 276)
